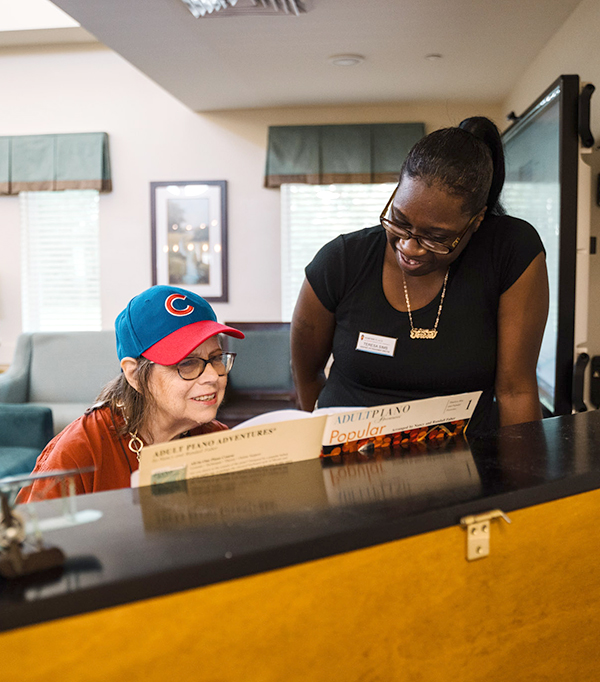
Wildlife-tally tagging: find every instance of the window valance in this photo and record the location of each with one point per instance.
(54, 162)
(319, 155)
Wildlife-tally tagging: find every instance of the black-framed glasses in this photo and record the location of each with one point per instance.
(191, 368)
(427, 243)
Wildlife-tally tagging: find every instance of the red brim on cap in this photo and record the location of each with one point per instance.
(180, 343)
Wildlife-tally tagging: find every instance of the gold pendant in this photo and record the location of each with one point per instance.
(423, 333)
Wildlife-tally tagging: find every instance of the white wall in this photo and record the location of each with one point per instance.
(574, 49)
(153, 137)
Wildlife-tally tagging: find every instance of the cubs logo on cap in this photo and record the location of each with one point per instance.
(165, 324)
(169, 305)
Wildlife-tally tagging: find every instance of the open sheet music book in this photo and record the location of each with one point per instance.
(291, 435)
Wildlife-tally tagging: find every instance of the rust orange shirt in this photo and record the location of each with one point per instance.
(91, 441)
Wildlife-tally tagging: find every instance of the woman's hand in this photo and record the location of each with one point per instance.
(522, 315)
(311, 338)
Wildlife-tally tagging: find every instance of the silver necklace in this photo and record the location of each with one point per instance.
(416, 332)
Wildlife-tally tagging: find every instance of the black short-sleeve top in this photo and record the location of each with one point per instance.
(347, 277)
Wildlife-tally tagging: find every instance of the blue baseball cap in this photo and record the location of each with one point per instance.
(165, 324)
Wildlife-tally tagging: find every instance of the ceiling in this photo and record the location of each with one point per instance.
(273, 61)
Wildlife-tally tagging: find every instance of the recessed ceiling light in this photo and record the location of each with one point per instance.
(346, 59)
(433, 57)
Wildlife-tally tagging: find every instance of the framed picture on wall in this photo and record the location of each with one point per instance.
(189, 236)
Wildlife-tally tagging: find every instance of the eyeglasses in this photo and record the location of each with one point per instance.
(430, 244)
(191, 368)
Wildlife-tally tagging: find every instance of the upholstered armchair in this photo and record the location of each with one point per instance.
(24, 432)
(60, 370)
(261, 378)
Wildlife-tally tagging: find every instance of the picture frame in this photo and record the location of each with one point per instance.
(189, 236)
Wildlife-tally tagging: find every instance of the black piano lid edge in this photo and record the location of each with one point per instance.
(19, 614)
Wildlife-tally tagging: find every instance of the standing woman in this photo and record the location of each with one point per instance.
(173, 379)
(447, 295)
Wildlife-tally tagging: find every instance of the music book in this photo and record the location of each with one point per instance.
(288, 436)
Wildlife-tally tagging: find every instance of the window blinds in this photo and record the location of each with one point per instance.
(312, 215)
(60, 261)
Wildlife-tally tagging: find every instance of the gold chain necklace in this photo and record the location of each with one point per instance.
(416, 332)
(135, 444)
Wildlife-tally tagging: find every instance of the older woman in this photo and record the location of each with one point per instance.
(447, 295)
(174, 374)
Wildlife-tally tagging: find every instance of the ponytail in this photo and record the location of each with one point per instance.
(467, 161)
(488, 133)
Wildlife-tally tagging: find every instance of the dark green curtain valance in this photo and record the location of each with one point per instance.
(54, 162)
(320, 155)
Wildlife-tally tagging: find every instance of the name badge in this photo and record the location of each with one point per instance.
(373, 343)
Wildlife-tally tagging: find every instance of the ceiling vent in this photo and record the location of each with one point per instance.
(215, 9)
